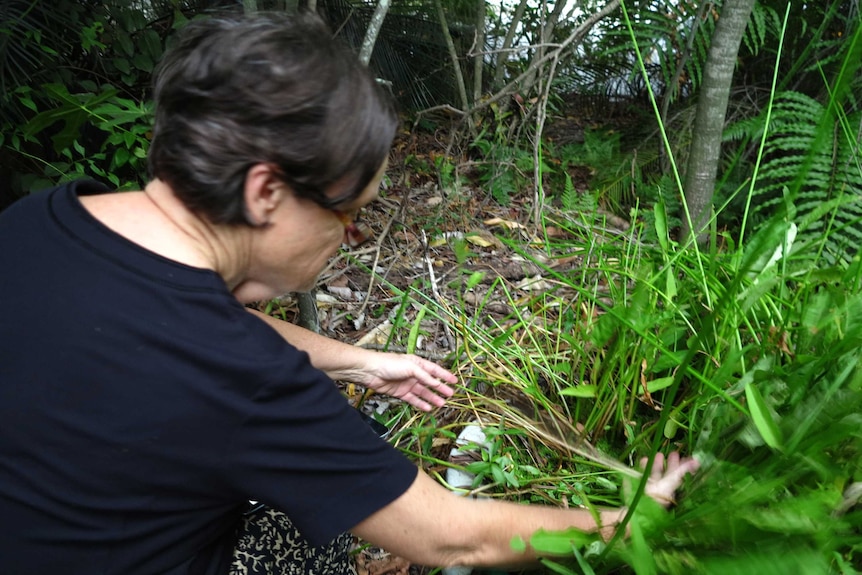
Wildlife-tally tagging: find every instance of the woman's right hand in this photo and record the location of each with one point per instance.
(666, 476)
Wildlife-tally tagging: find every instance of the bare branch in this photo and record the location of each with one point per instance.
(577, 35)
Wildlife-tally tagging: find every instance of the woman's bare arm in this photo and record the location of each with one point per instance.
(431, 526)
(421, 383)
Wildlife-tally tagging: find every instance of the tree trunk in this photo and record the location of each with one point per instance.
(709, 122)
(453, 55)
(373, 30)
(249, 6)
(479, 58)
(503, 54)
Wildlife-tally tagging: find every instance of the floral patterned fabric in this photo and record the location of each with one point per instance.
(269, 544)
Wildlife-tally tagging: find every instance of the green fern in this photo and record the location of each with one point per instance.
(815, 172)
(620, 188)
(764, 23)
(572, 200)
(666, 30)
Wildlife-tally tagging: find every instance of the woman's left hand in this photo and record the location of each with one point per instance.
(421, 383)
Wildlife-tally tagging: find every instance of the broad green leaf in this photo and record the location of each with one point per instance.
(670, 284)
(580, 391)
(670, 428)
(667, 360)
(152, 44)
(126, 44)
(122, 65)
(143, 62)
(762, 418)
(559, 542)
(658, 384)
(121, 157)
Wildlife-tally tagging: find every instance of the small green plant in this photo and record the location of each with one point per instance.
(503, 168)
(447, 173)
(499, 461)
(76, 84)
(572, 200)
(120, 156)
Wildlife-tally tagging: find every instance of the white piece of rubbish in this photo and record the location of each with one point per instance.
(460, 481)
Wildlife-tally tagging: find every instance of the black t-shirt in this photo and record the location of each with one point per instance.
(141, 407)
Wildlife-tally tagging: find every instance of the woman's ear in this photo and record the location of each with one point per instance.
(264, 191)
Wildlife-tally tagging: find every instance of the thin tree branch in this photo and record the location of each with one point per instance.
(577, 35)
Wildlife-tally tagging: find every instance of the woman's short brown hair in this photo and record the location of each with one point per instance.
(266, 88)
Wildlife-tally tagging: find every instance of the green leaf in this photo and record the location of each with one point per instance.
(580, 391)
(670, 285)
(518, 544)
(122, 65)
(559, 542)
(143, 62)
(670, 428)
(658, 384)
(152, 44)
(180, 19)
(762, 418)
(126, 43)
(414, 330)
(474, 280)
(121, 157)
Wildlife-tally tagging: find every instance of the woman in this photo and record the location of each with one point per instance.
(143, 405)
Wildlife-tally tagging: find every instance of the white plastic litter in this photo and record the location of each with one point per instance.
(460, 480)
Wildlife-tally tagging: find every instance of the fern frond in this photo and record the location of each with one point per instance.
(828, 203)
(763, 23)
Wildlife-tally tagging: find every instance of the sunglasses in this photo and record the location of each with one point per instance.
(355, 232)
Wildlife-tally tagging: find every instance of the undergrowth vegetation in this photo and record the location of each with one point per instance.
(746, 357)
(745, 353)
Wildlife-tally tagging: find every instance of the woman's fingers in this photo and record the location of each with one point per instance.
(667, 475)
